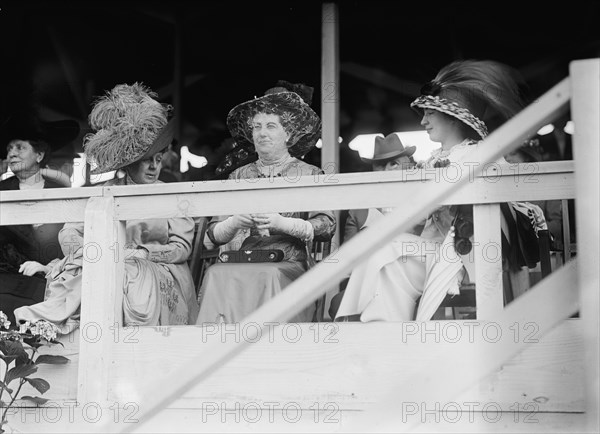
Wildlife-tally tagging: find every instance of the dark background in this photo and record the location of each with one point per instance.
(58, 55)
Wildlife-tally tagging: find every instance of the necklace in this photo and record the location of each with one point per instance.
(273, 169)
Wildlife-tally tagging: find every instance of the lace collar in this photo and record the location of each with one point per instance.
(273, 169)
(440, 158)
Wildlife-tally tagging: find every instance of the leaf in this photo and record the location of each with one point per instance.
(40, 384)
(8, 359)
(3, 386)
(20, 371)
(35, 399)
(33, 341)
(14, 348)
(51, 360)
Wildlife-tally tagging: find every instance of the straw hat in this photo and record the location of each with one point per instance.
(480, 93)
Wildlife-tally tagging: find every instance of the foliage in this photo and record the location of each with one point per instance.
(20, 360)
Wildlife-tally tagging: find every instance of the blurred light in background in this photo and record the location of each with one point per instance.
(78, 177)
(364, 143)
(188, 159)
(6, 174)
(319, 143)
(569, 127)
(546, 129)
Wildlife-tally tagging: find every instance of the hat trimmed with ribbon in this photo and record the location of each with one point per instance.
(482, 94)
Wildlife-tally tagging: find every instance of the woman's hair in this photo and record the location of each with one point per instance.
(41, 146)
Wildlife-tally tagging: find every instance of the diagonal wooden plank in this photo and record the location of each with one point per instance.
(547, 304)
(315, 282)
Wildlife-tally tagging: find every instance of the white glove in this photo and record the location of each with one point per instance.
(295, 227)
(29, 268)
(56, 176)
(226, 230)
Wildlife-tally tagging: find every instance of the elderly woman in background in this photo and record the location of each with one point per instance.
(27, 146)
(132, 131)
(272, 133)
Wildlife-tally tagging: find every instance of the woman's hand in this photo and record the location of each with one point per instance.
(242, 221)
(296, 227)
(271, 221)
(225, 231)
(29, 268)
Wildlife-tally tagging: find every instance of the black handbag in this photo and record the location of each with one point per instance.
(251, 256)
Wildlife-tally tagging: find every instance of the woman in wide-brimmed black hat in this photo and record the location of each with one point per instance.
(273, 132)
(26, 144)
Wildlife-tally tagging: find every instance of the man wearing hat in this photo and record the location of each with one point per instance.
(389, 154)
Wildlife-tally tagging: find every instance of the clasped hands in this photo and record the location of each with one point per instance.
(270, 221)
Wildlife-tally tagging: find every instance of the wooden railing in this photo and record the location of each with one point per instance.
(114, 365)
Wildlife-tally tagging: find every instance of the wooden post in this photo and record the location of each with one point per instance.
(101, 298)
(566, 227)
(330, 107)
(178, 75)
(585, 110)
(488, 260)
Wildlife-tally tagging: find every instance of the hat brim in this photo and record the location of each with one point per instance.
(408, 151)
(162, 141)
(302, 139)
(452, 109)
(56, 134)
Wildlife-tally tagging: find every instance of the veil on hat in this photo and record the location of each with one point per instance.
(292, 103)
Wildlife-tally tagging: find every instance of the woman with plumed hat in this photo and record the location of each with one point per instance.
(408, 278)
(272, 133)
(132, 130)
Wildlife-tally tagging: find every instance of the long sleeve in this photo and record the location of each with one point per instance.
(323, 223)
(70, 238)
(179, 245)
(351, 228)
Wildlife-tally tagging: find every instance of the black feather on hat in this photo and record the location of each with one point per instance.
(482, 94)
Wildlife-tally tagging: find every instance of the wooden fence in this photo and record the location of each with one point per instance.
(529, 361)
